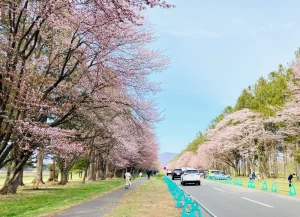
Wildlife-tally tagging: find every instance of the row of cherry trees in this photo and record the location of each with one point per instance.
(265, 123)
(74, 80)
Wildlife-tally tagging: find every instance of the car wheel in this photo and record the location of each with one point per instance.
(183, 183)
(172, 178)
(199, 183)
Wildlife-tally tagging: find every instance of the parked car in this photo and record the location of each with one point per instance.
(169, 172)
(190, 176)
(226, 175)
(201, 172)
(176, 173)
(216, 174)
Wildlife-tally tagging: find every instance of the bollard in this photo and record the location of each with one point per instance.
(292, 191)
(235, 181)
(188, 201)
(264, 186)
(238, 182)
(178, 193)
(251, 184)
(179, 201)
(195, 210)
(274, 187)
(228, 181)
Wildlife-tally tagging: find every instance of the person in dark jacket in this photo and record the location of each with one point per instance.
(148, 172)
(290, 179)
(253, 176)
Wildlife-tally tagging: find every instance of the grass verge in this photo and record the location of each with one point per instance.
(53, 198)
(148, 200)
(282, 185)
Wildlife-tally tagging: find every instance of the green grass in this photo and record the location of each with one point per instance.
(151, 199)
(53, 198)
(282, 184)
(29, 176)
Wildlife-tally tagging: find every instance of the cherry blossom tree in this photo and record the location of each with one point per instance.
(64, 60)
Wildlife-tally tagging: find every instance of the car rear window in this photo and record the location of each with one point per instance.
(216, 172)
(177, 170)
(191, 171)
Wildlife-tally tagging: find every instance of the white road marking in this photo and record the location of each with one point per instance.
(219, 189)
(257, 202)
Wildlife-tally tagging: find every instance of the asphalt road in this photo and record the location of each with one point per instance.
(231, 201)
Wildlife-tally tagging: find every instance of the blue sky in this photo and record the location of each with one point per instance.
(217, 48)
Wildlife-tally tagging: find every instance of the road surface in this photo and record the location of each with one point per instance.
(231, 201)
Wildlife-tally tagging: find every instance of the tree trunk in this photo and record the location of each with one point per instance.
(245, 167)
(13, 176)
(39, 169)
(285, 162)
(64, 177)
(87, 167)
(275, 163)
(21, 183)
(98, 172)
(250, 168)
(11, 186)
(115, 172)
(52, 174)
(92, 175)
(65, 166)
(85, 175)
(102, 167)
(297, 165)
(107, 174)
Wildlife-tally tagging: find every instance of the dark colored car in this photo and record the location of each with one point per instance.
(201, 172)
(176, 173)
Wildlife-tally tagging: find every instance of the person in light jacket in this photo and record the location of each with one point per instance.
(127, 179)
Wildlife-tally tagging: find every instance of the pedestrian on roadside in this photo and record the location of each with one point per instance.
(258, 177)
(253, 176)
(127, 179)
(140, 175)
(290, 179)
(148, 174)
(250, 176)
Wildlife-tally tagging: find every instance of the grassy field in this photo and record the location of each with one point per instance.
(282, 184)
(51, 199)
(151, 199)
(29, 176)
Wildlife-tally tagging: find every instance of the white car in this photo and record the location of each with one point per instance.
(190, 176)
(169, 171)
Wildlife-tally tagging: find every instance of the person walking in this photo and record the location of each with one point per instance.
(253, 176)
(127, 179)
(140, 175)
(290, 179)
(148, 174)
(258, 177)
(250, 176)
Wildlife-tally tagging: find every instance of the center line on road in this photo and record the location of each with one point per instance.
(257, 202)
(219, 189)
